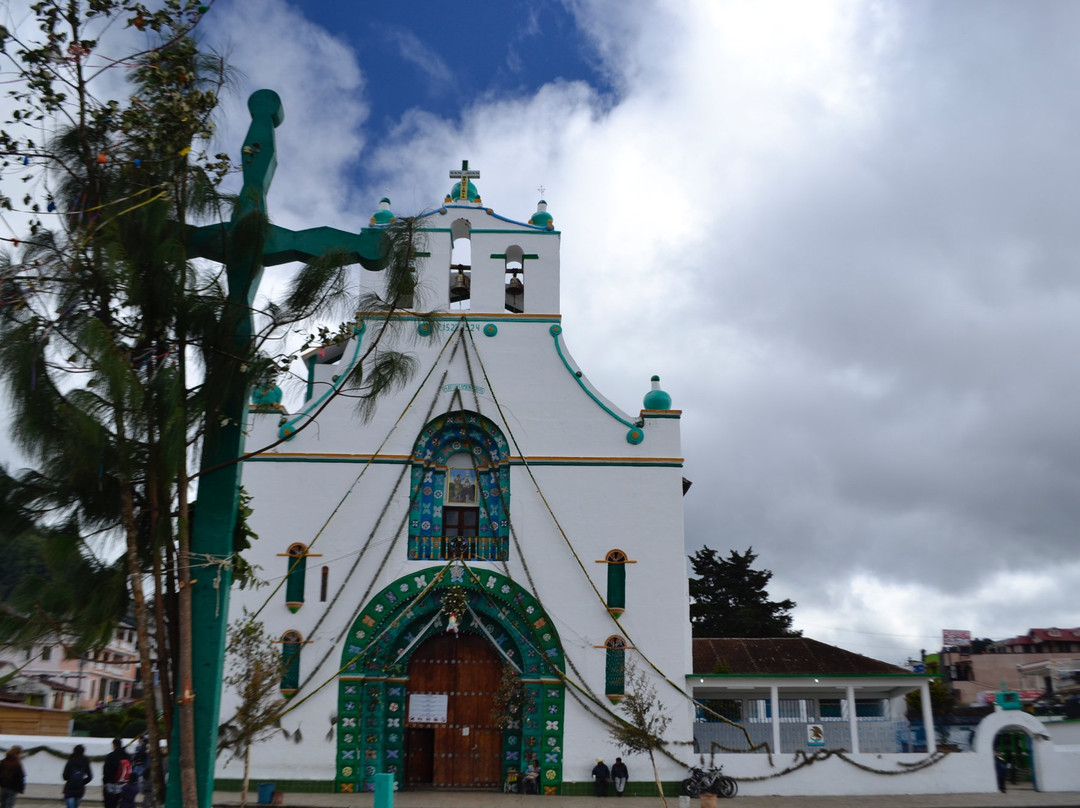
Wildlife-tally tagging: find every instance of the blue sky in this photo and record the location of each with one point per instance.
(842, 232)
(444, 57)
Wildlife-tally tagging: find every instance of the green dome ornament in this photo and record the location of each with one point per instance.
(656, 399)
(383, 216)
(542, 218)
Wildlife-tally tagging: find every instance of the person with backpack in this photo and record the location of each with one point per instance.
(116, 773)
(77, 773)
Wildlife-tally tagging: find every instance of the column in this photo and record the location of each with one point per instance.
(853, 719)
(928, 717)
(774, 701)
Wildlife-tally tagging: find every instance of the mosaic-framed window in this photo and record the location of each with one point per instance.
(460, 496)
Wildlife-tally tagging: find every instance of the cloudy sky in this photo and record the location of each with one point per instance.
(841, 232)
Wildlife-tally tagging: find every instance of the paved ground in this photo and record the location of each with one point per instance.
(1018, 797)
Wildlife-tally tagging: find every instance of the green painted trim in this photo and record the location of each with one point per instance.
(502, 318)
(667, 464)
(809, 675)
(634, 788)
(533, 230)
(287, 429)
(674, 415)
(556, 332)
(298, 786)
(533, 256)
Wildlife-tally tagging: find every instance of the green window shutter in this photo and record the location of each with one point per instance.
(295, 575)
(291, 643)
(615, 670)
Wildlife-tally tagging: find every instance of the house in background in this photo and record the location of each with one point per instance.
(94, 679)
(797, 694)
(1044, 661)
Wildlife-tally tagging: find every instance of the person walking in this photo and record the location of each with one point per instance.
(619, 774)
(115, 774)
(77, 773)
(12, 777)
(601, 774)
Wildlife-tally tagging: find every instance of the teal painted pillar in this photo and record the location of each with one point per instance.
(217, 502)
(384, 790)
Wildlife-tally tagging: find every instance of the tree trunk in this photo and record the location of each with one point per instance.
(247, 772)
(656, 777)
(189, 790)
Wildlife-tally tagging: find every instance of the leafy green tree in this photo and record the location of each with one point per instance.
(115, 348)
(728, 598)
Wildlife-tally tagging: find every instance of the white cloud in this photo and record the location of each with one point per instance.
(841, 233)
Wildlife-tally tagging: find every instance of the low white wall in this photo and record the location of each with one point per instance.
(1064, 733)
(46, 767)
(955, 773)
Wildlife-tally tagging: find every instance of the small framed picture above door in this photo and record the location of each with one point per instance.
(461, 486)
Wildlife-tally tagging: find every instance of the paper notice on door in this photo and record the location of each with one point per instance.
(428, 708)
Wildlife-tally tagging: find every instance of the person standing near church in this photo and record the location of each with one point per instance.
(12, 777)
(619, 774)
(77, 773)
(115, 774)
(601, 774)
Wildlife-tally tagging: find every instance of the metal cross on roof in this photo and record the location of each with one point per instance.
(464, 175)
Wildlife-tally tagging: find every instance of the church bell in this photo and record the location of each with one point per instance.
(459, 289)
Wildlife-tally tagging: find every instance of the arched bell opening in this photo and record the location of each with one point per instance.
(460, 289)
(514, 269)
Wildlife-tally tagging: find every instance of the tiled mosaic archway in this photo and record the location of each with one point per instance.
(373, 688)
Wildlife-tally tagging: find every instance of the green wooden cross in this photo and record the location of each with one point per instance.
(219, 490)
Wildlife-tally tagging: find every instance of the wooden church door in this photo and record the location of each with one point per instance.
(465, 751)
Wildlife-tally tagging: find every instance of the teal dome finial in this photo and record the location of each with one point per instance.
(656, 399)
(383, 216)
(542, 218)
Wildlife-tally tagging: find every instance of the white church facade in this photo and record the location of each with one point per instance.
(461, 583)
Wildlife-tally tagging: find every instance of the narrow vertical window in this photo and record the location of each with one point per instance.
(295, 574)
(324, 586)
(291, 642)
(615, 669)
(616, 581)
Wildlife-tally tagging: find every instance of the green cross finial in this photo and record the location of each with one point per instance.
(464, 175)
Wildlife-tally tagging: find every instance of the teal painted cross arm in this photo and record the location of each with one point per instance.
(285, 246)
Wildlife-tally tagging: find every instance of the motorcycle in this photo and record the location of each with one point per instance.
(712, 781)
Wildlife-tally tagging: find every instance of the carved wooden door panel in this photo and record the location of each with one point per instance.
(466, 750)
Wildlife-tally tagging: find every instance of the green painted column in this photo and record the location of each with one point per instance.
(216, 507)
(223, 443)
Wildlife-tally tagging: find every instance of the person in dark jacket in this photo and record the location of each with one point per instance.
(12, 777)
(77, 773)
(601, 774)
(619, 774)
(114, 775)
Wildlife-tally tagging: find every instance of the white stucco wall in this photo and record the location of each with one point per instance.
(589, 491)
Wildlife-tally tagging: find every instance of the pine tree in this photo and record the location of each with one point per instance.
(728, 598)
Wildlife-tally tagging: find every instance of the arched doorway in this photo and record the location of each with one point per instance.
(462, 748)
(398, 648)
(1014, 746)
